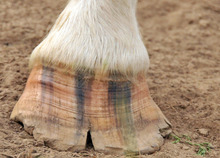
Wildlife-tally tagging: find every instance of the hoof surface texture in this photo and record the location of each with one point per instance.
(61, 108)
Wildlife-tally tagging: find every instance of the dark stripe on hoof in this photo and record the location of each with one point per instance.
(80, 97)
(119, 95)
(47, 84)
(47, 93)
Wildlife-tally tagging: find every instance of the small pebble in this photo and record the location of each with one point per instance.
(195, 136)
(185, 148)
(203, 23)
(203, 131)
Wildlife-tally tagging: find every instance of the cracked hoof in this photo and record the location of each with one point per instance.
(61, 108)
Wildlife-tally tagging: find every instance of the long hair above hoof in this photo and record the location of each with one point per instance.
(95, 35)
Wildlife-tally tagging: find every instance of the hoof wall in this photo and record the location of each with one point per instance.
(62, 108)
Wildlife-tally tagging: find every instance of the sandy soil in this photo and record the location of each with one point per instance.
(183, 40)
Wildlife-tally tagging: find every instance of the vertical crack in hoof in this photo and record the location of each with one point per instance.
(20, 123)
(89, 143)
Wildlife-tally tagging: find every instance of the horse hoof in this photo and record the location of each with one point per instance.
(61, 108)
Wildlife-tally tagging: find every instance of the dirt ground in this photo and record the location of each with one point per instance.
(183, 40)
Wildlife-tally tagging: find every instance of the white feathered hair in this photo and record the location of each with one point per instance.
(98, 35)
